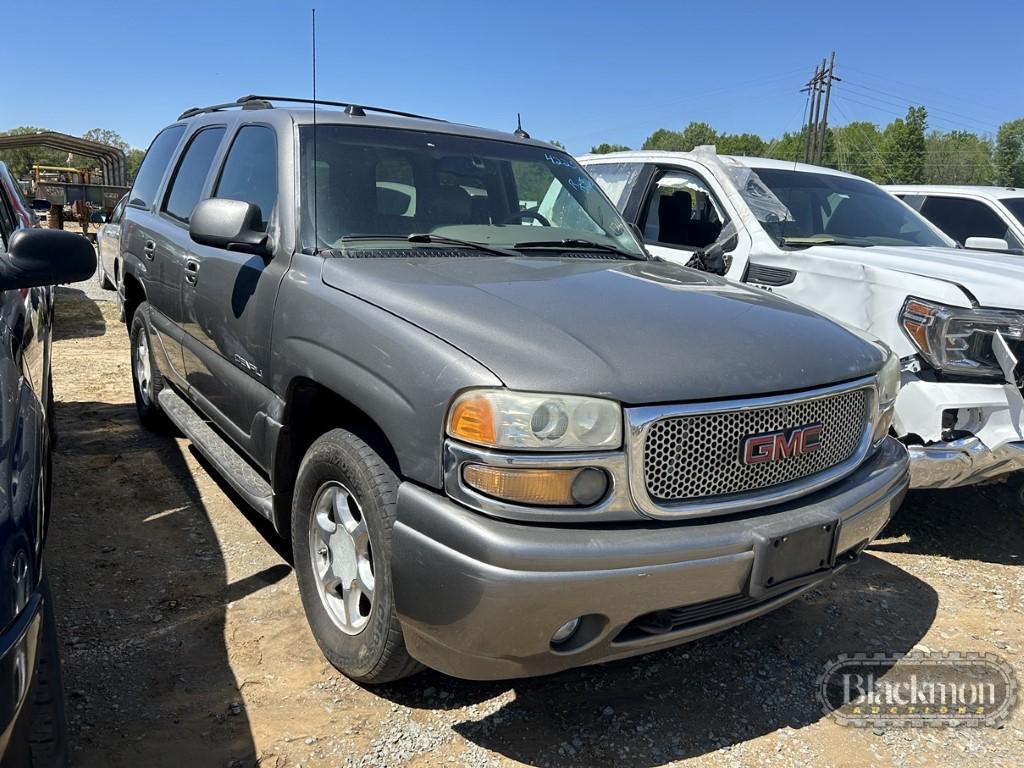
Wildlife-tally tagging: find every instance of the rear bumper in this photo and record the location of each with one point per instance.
(19, 648)
(479, 598)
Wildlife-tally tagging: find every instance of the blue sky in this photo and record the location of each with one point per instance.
(580, 72)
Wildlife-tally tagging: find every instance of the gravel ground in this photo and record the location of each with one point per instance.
(184, 640)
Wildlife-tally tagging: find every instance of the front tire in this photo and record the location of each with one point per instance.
(343, 511)
(146, 379)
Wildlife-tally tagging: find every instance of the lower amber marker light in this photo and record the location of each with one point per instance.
(541, 487)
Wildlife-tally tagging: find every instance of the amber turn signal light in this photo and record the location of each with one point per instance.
(540, 487)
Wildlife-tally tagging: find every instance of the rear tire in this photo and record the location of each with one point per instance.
(146, 379)
(343, 510)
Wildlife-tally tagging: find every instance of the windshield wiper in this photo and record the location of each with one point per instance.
(426, 237)
(807, 242)
(577, 243)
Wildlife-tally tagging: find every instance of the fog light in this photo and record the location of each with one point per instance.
(565, 631)
(543, 487)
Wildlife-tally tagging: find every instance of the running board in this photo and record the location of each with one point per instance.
(238, 472)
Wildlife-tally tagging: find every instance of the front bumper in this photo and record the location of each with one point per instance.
(19, 648)
(479, 598)
(990, 416)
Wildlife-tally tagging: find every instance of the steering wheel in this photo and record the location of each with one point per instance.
(529, 213)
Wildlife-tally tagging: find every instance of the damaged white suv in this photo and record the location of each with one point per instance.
(845, 247)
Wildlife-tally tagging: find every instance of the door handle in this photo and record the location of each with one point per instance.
(148, 249)
(191, 271)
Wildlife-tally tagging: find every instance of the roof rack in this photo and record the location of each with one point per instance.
(253, 101)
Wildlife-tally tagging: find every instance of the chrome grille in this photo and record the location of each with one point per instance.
(696, 456)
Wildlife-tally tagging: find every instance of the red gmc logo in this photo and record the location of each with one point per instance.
(784, 444)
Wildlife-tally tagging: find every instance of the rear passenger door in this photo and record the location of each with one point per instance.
(229, 299)
(150, 250)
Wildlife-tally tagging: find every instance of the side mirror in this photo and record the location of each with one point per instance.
(229, 224)
(98, 217)
(45, 257)
(986, 244)
(41, 205)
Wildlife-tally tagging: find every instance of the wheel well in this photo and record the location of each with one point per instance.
(312, 410)
(134, 294)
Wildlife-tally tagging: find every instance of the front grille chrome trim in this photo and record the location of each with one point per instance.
(640, 420)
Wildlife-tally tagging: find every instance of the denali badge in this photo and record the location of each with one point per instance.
(784, 444)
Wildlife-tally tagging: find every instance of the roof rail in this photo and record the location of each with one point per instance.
(356, 110)
(246, 102)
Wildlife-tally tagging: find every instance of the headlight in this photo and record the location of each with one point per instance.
(498, 418)
(959, 340)
(888, 378)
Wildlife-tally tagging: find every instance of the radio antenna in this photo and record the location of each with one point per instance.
(316, 185)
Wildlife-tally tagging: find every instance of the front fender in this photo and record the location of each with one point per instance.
(399, 375)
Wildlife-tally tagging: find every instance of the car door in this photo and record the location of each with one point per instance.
(108, 241)
(149, 245)
(229, 299)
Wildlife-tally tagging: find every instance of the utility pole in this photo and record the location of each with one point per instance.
(819, 90)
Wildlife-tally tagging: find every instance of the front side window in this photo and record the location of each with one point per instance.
(1015, 205)
(190, 176)
(616, 179)
(681, 212)
(157, 158)
(386, 183)
(250, 170)
(828, 209)
(961, 218)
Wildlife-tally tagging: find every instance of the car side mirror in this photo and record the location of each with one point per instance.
(986, 244)
(98, 217)
(230, 224)
(41, 205)
(38, 257)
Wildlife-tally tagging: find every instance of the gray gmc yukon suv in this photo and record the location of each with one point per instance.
(502, 439)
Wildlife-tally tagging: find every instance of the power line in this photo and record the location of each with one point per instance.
(868, 143)
(888, 110)
(898, 101)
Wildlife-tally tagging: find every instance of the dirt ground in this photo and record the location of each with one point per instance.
(185, 644)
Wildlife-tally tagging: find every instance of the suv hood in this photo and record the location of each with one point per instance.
(637, 332)
(993, 279)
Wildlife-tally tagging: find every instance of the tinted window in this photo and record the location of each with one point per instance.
(191, 173)
(250, 171)
(153, 166)
(1016, 207)
(960, 218)
(681, 212)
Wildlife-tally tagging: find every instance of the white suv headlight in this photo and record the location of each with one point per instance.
(958, 340)
(499, 418)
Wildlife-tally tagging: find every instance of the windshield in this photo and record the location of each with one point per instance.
(390, 184)
(829, 209)
(1014, 205)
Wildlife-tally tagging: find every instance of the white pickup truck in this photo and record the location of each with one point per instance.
(846, 248)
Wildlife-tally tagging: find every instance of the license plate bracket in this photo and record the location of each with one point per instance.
(785, 559)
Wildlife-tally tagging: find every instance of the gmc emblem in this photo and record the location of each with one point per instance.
(784, 444)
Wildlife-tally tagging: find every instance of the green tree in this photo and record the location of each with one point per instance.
(665, 140)
(903, 148)
(557, 143)
(1010, 153)
(698, 134)
(604, 149)
(857, 149)
(133, 159)
(745, 144)
(958, 157)
(106, 136)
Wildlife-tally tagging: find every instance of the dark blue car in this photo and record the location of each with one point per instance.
(31, 261)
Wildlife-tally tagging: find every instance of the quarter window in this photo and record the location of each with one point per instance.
(250, 170)
(157, 158)
(190, 176)
(616, 179)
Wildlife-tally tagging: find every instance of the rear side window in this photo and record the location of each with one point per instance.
(187, 184)
(250, 170)
(616, 179)
(153, 166)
